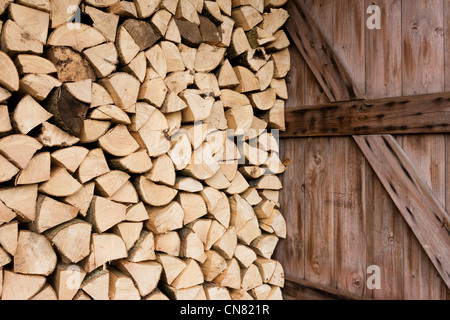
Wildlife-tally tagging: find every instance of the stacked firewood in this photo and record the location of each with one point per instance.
(138, 148)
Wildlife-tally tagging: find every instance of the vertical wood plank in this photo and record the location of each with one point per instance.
(322, 11)
(447, 43)
(384, 222)
(349, 216)
(349, 164)
(423, 72)
(423, 46)
(348, 38)
(428, 155)
(384, 52)
(290, 251)
(319, 234)
(295, 80)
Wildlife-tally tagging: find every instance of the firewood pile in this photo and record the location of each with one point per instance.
(138, 149)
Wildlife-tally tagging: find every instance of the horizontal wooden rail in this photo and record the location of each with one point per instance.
(400, 115)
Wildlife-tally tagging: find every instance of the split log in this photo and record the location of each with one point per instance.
(231, 276)
(104, 213)
(154, 194)
(61, 184)
(145, 274)
(20, 286)
(121, 286)
(118, 142)
(96, 284)
(105, 22)
(34, 254)
(67, 280)
(103, 59)
(193, 205)
(169, 243)
(50, 213)
(9, 234)
(93, 165)
(172, 267)
(5, 122)
(214, 292)
(52, 136)
(244, 255)
(110, 113)
(59, 13)
(190, 276)
(105, 247)
(191, 246)
(188, 184)
(214, 265)
(77, 36)
(163, 171)
(15, 40)
(251, 278)
(47, 293)
(65, 235)
(19, 201)
(29, 114)
(137, 162)
(69, 158)
(82, 198)
(164, 219)
(32, 21)
(10, 77)
(144, 248)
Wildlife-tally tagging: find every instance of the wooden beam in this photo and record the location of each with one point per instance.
(299, 289)
(428, 113)
(413, 197)
(320, 55)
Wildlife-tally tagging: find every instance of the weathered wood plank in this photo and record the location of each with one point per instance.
(413, 197)
(423, 46)
(349, 216)
(427, 153)
(298, 289)
(428, 113)
(322, 12)
(385, 224)
(319, 233)
(384, 52)
(315, 49)
(349, 19)
(423, 72)
(291, 251)
(295, 80)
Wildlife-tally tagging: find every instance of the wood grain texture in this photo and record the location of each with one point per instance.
(315, 49)
(413, 197)
(383, 52)
(385, 224)
(427, 153)
(298, 289)
(349, 216)
(413, 114)
(322, 12)
(291, 251)
(319, 233)
(423, 46)
(348, 39)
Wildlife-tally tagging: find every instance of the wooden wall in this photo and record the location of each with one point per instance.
(340, 218)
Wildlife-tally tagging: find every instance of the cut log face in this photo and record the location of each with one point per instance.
(34, 254)
(134, 159)
(28, 285)
(9, 78)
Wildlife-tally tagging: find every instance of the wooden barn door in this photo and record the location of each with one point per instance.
(368, 178)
